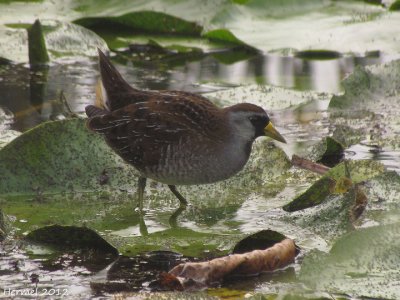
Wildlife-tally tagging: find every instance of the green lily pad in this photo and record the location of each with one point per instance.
(360, 170)
(37, 46)
(60, 156)
(289, 23)
(268, 97)
(323, 189)
(315, 195)
(71, 238)
(370, 88)
(395, 6)
(347, 135)
(362, 262)
(145, 21)
(328, 152)
(61, 39)
(225, 36)
(338, 213)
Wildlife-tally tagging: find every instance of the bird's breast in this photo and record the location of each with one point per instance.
(198, 163)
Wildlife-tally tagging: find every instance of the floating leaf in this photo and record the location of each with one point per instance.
(37, 45)
(395, 6)
(60, 38)
(268, 97)
(335, 181)
(360, 170)
(315, 24)
(363, 262)
(71, 238)
(328, 152)
(370, 88)
(60, 156)
(145, 21)
(315, 195)
(225, 36)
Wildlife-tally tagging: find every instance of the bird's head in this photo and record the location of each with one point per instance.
(251, 121)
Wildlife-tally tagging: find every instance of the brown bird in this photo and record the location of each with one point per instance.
(175, 137)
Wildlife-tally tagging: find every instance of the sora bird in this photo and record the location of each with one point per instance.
(175, 137)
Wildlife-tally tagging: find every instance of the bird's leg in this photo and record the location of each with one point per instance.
(141, 187)
(177, 195)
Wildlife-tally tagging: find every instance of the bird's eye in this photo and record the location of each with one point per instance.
(252, 118)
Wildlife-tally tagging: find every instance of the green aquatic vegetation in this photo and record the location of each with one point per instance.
(37, 45)
(225, 21)
(362, 262)
(71, 238)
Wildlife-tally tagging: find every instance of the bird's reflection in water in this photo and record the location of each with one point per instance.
(172, 221)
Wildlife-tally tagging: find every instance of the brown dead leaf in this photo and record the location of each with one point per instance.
(360, 203)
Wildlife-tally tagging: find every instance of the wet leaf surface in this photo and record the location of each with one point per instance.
(42, 161)
(71, 238)
(361, 263)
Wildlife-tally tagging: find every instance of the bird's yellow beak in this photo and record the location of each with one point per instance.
(270, 131)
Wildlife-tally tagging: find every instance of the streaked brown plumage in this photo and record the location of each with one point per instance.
(175, 137)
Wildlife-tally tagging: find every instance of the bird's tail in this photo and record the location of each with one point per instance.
(93, 111)
(118, 93)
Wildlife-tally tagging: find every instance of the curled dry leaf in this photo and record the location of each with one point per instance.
(208, 273)
(360, 203)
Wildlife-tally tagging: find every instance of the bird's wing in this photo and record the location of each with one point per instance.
(140, 132)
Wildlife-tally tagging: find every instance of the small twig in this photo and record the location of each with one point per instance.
(66, 105)
(307, 164)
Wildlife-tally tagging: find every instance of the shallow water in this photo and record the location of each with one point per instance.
(28, 99)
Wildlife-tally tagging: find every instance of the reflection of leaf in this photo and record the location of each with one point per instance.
(182, 240)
